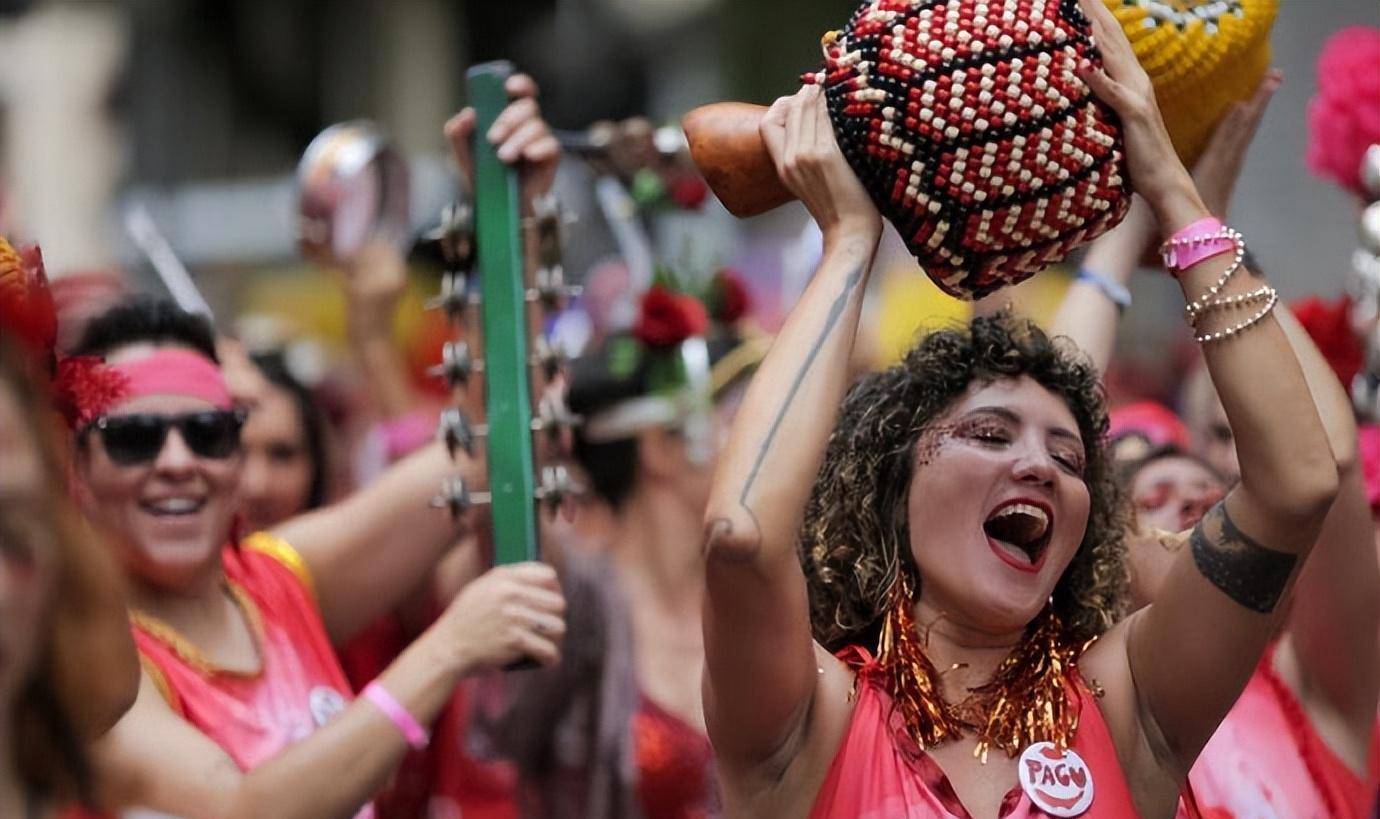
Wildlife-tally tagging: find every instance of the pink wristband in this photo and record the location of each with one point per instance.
(1201, 240)
(416, 735)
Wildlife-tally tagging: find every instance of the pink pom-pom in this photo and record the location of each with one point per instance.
(1344, 116)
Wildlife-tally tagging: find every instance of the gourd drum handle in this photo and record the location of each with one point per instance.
(727, 147)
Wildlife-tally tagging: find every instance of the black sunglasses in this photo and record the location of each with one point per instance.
(138, 438)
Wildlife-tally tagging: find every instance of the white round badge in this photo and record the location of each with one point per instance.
(325, 702)
(1057, 782)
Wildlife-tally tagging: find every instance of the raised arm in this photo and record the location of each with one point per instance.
(373, 281)
(153, 758)
(1090, 310)
(1336, 613)
(1191, 652)
(761, 662)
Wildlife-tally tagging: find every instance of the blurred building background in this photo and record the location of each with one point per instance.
(199, 110)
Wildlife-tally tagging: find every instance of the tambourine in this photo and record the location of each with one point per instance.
(352, 188)
(967, 122)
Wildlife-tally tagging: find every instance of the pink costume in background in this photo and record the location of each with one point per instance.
(1266, 761)
(880, 773)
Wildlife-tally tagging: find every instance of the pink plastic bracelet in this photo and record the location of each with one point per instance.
(416, 735)
(1201, 240)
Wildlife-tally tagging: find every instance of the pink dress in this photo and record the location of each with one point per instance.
(299, 686)
(880, 773)
(1267, 762)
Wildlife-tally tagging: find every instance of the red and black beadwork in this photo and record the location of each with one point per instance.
(968, 124)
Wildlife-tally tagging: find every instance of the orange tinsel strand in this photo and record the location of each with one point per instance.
(1029, 699)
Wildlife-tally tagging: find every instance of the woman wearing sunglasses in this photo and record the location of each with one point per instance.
(243, 709)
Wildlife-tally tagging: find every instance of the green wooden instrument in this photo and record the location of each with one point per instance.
(485, 243)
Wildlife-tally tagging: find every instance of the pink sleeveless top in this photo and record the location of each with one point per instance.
(1266, 762)
(880, 773)
(299, 686)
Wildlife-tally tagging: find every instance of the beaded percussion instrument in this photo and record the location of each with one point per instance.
(967, 123)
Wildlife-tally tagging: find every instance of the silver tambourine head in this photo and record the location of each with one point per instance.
(352, 187)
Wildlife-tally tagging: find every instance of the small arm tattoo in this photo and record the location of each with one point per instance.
(1245, 571)
(836, 311)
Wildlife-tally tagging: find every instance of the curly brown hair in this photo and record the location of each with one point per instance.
(855, 537)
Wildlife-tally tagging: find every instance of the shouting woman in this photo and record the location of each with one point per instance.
(962, 546)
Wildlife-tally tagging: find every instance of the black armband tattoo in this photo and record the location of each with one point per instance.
(1245, 571)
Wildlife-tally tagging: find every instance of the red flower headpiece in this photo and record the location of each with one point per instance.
(85, 388)
(667, 318)
(728, 298)
(1329, 325)
(26, 302)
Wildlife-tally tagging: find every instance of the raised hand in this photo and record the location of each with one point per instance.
(374, 280)
(1220, 165)
(522, 136)
(1156, 172)
(800, 139)
(509, 613)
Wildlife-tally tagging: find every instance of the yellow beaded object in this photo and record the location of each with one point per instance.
(1202, 56)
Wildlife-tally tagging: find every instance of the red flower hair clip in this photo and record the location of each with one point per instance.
(667, 318)
(85, 388)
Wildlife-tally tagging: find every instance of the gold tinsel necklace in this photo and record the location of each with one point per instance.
(1030, 698)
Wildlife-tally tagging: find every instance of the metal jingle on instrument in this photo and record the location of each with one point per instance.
(550, 357)
(557, 486)
(457, 364)
(549, 221)
(455, 497)
(553, 417)
(454, 296)
(455, 236)
(551, 289)
(458, 433)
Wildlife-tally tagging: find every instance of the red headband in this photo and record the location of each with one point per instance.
(88, 388)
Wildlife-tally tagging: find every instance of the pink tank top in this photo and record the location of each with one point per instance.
(299, 686)
(880, 773)
(1266, 762)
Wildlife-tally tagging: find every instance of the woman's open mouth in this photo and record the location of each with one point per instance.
(1018, 532)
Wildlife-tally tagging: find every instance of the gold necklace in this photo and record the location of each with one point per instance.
(1029, 699)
